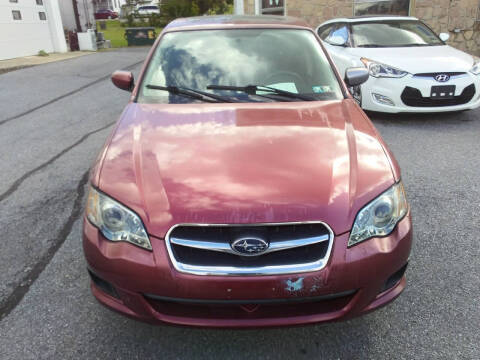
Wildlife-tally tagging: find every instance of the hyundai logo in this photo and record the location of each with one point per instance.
(249, 246)
(442, 77)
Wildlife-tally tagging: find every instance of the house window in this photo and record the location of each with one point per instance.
(42, 15)
(389, 7)
(17, 15)
(273, 7)
(14, 1)
(39, 2)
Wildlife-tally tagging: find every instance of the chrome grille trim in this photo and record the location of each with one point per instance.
(223, 247)
(249, 271)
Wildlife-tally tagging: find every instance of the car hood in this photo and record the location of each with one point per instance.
(423, 59)
(245, 163)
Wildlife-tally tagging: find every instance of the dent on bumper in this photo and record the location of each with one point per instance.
(357, 274)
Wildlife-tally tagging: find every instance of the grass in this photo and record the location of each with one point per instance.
(115, 33)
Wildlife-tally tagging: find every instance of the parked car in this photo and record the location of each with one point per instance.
(411, 68)
(243, 186)
(106, 14)
(148, 10)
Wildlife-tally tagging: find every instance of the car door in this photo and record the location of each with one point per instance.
(340, 54)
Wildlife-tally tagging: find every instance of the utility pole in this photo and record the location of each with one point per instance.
(77, 17)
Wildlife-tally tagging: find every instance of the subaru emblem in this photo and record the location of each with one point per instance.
(249, 246)
(442, 77)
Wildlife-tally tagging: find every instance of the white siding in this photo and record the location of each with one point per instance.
(26, 36)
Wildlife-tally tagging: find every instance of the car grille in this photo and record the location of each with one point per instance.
(292, 248)
(413, 97)
(433, 74)
(250, 309)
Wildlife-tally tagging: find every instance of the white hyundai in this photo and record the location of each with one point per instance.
(411, 68)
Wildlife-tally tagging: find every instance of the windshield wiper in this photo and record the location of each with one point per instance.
(252, 90)
(191, 93)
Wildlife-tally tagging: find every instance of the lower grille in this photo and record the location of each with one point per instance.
(251, 309)
(286, 248)
(413, 97)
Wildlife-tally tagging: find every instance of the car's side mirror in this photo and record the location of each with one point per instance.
(123, 80)
(444, 36)
(356, 76)
(336, 40)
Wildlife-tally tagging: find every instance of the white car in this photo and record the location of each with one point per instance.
(411, 68)
(148, 9)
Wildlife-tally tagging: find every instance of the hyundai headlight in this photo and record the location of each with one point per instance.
(115, 221)
(476, 66)
(380, 216)
(378, 70)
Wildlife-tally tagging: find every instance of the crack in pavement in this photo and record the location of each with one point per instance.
(64, 95)
(25, 176)
(7, 305)
(17, 295)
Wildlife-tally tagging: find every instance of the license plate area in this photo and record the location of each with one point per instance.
(442, 92)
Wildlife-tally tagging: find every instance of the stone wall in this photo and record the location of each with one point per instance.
(457, 17)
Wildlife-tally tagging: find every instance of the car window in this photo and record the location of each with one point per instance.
(393, 33)
(288, 59)
(325, 30)
(340, 30)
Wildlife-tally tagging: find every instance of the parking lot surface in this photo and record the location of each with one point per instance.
(55, 118)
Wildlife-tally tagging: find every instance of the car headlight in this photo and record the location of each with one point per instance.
(115, 221)
(476, 66)
(380, 216)
(377, 69)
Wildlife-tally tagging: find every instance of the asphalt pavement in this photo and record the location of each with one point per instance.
(55, 117)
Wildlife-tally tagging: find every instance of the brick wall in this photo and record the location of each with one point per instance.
(457, 17)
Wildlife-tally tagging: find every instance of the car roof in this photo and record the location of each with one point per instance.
(365, 18)
(223, 21)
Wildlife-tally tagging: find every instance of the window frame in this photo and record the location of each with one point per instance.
(270, 10)
(356, 2)
(14, 12)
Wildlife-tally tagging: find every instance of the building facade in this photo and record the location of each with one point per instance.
(460, 18)
(28, 26)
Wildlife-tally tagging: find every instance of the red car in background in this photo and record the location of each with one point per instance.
(243, 186)
(106, 14)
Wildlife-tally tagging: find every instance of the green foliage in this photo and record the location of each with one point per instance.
(221, 8)
(172, 9)
(42, 53)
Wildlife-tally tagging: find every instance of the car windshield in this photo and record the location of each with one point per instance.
(393, 33)
(286, 59)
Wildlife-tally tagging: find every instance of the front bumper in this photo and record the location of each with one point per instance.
(393, 89)
(145, 286)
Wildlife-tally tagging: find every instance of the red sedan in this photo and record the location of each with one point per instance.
(106, 14)
(243, 186)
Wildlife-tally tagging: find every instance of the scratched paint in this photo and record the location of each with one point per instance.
(296, 285)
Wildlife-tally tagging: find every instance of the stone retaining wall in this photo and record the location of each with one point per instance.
(460, 18)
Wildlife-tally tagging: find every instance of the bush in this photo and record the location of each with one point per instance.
(172, 9)
(42, 53)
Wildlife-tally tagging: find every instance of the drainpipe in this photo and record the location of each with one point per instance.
(77, 17)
